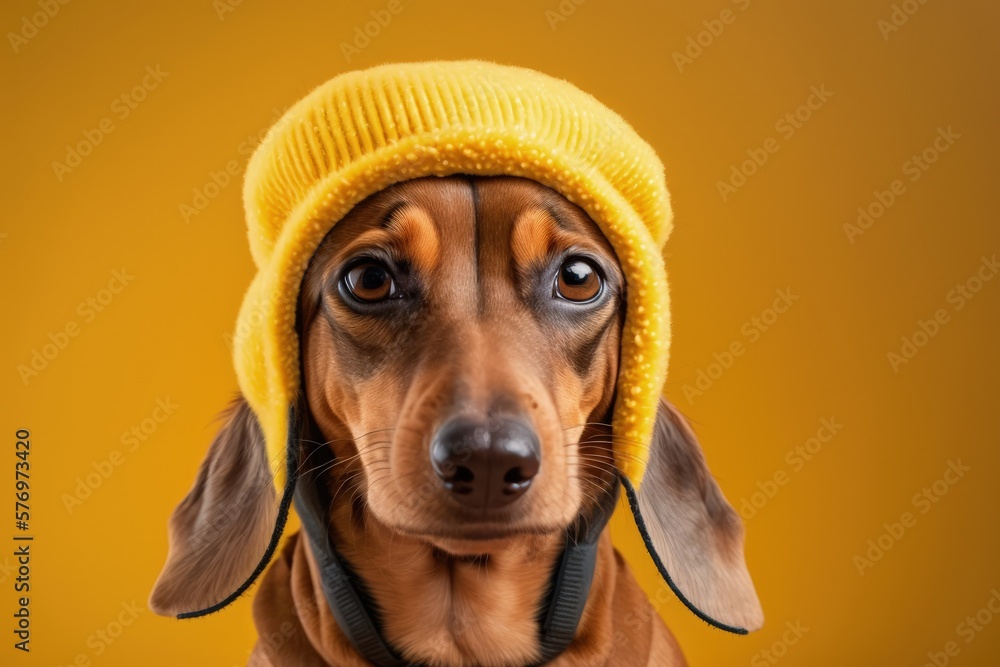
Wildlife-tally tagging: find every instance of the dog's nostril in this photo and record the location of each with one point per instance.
(463, 475)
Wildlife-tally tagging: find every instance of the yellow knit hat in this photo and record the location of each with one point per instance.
(363, 131)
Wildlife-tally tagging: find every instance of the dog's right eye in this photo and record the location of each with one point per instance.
(370, 282)
(578, 281)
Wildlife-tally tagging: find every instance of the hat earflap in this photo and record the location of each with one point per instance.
(692, 533)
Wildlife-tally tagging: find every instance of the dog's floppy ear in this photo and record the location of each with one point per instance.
(220, 530)
(692, 533)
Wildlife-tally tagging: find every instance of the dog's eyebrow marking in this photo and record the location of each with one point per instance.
(416, 234)
(532, 236)
(406, 230)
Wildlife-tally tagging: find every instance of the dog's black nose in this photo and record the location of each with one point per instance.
(486, 464)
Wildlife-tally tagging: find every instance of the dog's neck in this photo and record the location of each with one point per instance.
(457, 611)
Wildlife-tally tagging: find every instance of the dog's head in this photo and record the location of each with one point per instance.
(458, 336)
(460, 345)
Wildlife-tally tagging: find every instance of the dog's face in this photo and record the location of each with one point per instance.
(459, 337)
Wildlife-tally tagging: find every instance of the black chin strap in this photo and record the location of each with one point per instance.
(343, 590)
(570, 584)
(354, 610)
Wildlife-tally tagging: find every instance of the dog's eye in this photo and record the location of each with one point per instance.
(370, 282)
(578, 281)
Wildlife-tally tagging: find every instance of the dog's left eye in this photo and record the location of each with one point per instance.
(578, 281)
(369, 282)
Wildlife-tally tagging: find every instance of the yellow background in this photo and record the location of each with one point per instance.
(164, 335)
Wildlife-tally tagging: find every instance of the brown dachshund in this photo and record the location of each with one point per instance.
(459, 352)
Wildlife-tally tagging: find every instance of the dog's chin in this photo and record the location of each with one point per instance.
(471, 540)
(479, 542)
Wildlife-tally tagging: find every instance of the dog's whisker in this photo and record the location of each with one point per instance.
(602, 445)
(596, 456)
(598, 467)
(626, 455)
(350, 439)
(614, 437)
(342, 461)
(332, 464)
(604, 457)
(349, 479)
(320, 469)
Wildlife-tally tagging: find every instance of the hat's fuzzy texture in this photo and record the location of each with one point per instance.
(363, 131)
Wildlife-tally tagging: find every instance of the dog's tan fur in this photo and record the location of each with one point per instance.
(476, 335)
